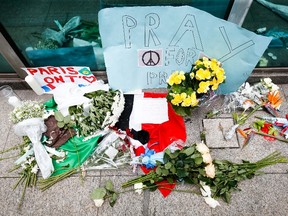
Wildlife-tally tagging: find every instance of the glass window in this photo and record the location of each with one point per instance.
(4, 66)
(270, 20)
(65, 32)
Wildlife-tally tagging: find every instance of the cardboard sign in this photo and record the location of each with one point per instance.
(50, 77)
(144, 45)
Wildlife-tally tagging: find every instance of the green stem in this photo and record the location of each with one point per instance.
(268, 135)
(9, 157)
(242, 121)
(13, 148)
(45, 184)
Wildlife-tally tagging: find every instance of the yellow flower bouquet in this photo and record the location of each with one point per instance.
(188, 90)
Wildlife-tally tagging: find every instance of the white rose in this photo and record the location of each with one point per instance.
(274, 88)
(98, 202)
(138, 187)
(202, 148)
(207, 158)
(268, 81)
(210, 170)
(211, 202)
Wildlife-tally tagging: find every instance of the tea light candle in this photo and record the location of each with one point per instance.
(34, 85)
(14, 101)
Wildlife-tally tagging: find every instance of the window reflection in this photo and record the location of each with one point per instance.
(270, 20)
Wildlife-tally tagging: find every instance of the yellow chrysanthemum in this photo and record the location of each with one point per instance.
(206, 62)
(183, 96)
(203, 87)
(214, 84)
(194, 100)
(192, 75)
(186, 102)
(198, 62)
(203, 74)
(176, 78)
(220, 75)
(176, 100)
(214, 65)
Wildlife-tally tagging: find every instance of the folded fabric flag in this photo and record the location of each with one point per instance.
(161, 134)
(77, 149)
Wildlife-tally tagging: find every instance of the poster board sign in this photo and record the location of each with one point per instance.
(144, 45)
(48, 78)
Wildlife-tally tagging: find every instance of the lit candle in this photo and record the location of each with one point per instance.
(34, 85)
(14, 101)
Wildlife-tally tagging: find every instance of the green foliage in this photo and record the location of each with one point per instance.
(63, 121)
(106, 192)
(100, 105)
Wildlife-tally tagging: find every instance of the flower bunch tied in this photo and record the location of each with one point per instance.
(188, 90)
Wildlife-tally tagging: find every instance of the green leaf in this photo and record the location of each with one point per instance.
(109, 186)
(58, 116)
(98, 193)
(165, 172)
(166, 158)
(158, 171)
(60, 124)
(67, 119)
(189, 151)
(241, 171)
(181, 173)
(227, 197)
(168, 165)
(113, 199)
(198, 160)
(173, 169)
(170, 180)
(179, 163)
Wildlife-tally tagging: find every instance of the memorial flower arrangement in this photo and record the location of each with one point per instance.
(263, 95)
(187, 90)
(193, 165)
(104, 110)
(28, 109)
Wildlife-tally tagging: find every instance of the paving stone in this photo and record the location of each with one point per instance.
(178, 203)
(215, 137)
(263, 195)
(68, 197)
(129, 203)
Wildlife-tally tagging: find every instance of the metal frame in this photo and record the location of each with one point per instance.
(11, 57)
(239, 11)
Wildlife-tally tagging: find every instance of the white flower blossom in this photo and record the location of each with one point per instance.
(98, 202)
(206, 192)
(267, 81)
(274, 88)
(138, 187)
(202, 148)
(26, 148)
(210, 170)
(23, 166)
(30, 160)
(35, 169)
(211, 202)
(207, 158)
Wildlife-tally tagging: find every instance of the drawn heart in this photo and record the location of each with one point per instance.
(89, 79)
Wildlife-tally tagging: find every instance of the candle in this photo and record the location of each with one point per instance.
(34, 85)
(14, 101)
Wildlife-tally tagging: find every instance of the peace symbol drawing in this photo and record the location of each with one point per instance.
(150, 58)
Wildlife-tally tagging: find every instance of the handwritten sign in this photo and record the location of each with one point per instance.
(144, 45)
(50, 77)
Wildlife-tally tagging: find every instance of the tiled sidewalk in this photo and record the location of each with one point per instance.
(263, 195)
